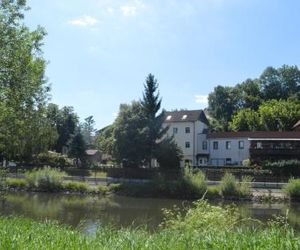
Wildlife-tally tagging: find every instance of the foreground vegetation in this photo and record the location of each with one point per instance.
(191, 185)
(203, 227)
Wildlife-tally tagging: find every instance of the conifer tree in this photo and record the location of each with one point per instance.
(151, 104)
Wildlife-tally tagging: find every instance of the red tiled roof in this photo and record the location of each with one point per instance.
(256, 134)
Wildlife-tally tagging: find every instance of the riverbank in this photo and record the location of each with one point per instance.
(203, 227)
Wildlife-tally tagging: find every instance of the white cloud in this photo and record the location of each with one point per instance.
(128, 10)
(132, 8)
(84, 21)
(202, 99)
(110, 10)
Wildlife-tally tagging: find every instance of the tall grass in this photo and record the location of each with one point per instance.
(292, 189)
(230, 187)
(203, 227)
(45, 179)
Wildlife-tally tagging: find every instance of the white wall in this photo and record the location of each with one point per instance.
(181, 137)
(237, 155)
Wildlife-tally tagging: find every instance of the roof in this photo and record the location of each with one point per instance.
(256, 134)
(92, 151)
(297, 125)
(185, 116)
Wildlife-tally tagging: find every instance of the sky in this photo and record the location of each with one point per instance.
(100, 51)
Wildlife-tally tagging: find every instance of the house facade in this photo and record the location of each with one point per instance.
(200, 148)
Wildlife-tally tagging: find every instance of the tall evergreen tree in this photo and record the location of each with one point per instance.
(151, 104)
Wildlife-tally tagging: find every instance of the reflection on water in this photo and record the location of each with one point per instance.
(90, 212)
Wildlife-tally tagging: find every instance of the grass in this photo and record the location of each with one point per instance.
(77, 186)
(292, 189)
(203, 227)
(45, 179)
(230, 187)
(15, 183)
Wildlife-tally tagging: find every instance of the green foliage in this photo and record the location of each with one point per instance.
(203, 227)
(151, 104)
(194, 183)
(24, 128)
(130, 135)
(65, 121)
(168, 154)
(246, 163)
(292, 189)
(272, 115)
(230, 187)
(45, 179)
(53, 159)
(77, 148)
(88, 131)
(245, 120)
(77, 186)
(270, 102)
(105, 140)
(283, 167)
(15, 183)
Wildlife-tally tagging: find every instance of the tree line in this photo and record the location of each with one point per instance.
(270, 102)
(30, 125)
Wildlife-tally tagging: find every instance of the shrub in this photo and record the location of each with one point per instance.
(114, 187)
(194, 183)
(229, 185)
(244, 186)
(77, 186)
(292, 189)
(16, 183)
(45, 179)
(54, 159)
(246, 163)
(283, 167)
(102, 189)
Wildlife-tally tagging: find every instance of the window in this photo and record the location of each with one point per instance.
(215, 145)
(259, 145)
(187, 130)
(228, 145)
(204, 145)
(241, 144)
(169, 117)
(187, 144)
(175, 130)
(228, 161)
(184, 117)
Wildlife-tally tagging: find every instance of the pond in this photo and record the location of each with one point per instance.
(89, 212)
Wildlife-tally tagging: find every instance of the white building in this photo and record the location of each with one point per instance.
(188, 128)
(200, 148)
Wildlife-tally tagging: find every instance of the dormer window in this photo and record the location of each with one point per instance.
(169, 117)
(184, 117)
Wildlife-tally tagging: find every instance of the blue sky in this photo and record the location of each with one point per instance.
(100, 51)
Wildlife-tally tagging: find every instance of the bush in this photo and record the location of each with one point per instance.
(54, 159)
(283, 167)
(195, 183)
(45, 179)
(292, 189)
(16, 183)
(77, 186)
(246, 163)
(102, 189)
(230, 187)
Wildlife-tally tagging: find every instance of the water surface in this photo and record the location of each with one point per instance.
(89, 212)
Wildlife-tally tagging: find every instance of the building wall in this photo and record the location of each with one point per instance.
(182, 138)
(237, 155)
